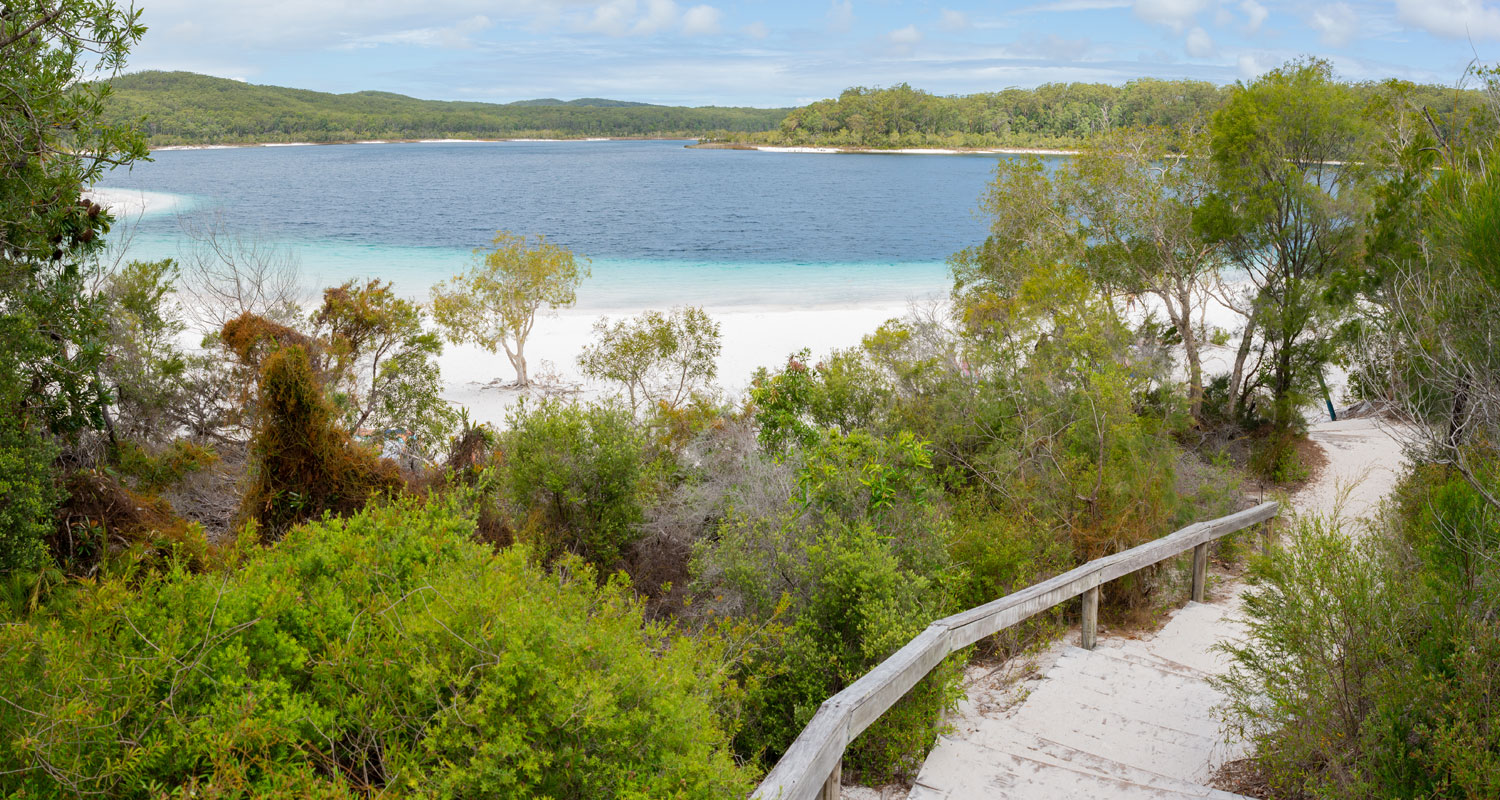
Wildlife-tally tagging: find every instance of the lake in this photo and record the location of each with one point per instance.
(663, 224)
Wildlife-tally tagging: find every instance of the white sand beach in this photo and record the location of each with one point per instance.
(752, 337)
(126, 204)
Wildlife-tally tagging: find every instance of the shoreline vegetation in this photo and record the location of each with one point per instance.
(187, 110)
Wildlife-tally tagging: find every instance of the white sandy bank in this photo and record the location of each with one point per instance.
(751, 338)
(132, 203)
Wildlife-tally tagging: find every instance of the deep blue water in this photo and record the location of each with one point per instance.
(662, 224)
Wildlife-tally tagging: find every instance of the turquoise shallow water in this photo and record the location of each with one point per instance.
(663, 225)
(620, 284)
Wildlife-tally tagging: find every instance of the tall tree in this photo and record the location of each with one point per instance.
(495, 303)
(1290, 205)
(1136, 192)
(53, 144)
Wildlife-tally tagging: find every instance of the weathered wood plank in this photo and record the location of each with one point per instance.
(834, 785)
(879, 689)
(815, 758)
(1090, 619)
(804, 767)
(1200, 571)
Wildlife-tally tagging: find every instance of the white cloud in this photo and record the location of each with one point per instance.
(1055, 48)
(1336, 24)
(1255, 15)
(841, 16)
(1252, 65)
(907, 36)
(757, 30)
(660, 15)
(611, 19)
(1454, 19)
(453, 37)
(1175, 14)
(1199, 44)
(632, 18)
(1075, 5)
(950, 20)
(702, 21)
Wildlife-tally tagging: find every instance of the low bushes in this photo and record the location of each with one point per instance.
(577, 475)
(1370, 667)
(384, 652)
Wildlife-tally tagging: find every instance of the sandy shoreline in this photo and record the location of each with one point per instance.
(752, 337)
(241, 145)
(933, 151)
(938, 151)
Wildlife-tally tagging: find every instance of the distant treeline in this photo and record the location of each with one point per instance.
(187, 108)
(1054, 114)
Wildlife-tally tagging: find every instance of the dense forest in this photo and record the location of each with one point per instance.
(278, 564)
(1051, 115)
(175, 108)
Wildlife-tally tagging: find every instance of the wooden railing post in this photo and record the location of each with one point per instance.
(1200, 571)
(1090, 618)
(812, 769)
(832, 785)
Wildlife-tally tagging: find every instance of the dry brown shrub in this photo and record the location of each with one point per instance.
(99, 506)
(251, 339)
(303, 463)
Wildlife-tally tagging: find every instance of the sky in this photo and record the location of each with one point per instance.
(783, 53)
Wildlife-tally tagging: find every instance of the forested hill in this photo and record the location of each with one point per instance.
(187, 108)
(1051, 115)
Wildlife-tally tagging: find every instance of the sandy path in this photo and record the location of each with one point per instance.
(1132, 718)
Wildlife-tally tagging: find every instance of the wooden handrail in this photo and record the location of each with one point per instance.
(813, 760)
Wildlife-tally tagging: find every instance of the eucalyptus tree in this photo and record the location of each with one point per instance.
(494, 304)
(1136, 193)
(1291, 198)
(662, 360)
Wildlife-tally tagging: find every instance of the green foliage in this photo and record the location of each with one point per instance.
(304, 463)
(27, 496)
(1054, 114)
(858, 476)
(781, 403)
(153, 471)
(54, 144)
(844, 573)
(382, 366)
(1275, 457)
(1291, 202)
(851, 604)
(184, 108)
(578, 474)
(662, 360)
(494, 304)
(145, 367)
(1369, 671)
(384, 652)
(1000, 553)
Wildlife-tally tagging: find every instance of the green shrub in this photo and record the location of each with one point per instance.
(382, 653)
(579, 473)
(27, 496)
(854, 605)
(1275, 458)
(1369, 671)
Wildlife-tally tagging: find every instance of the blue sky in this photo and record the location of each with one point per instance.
(774, 53)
